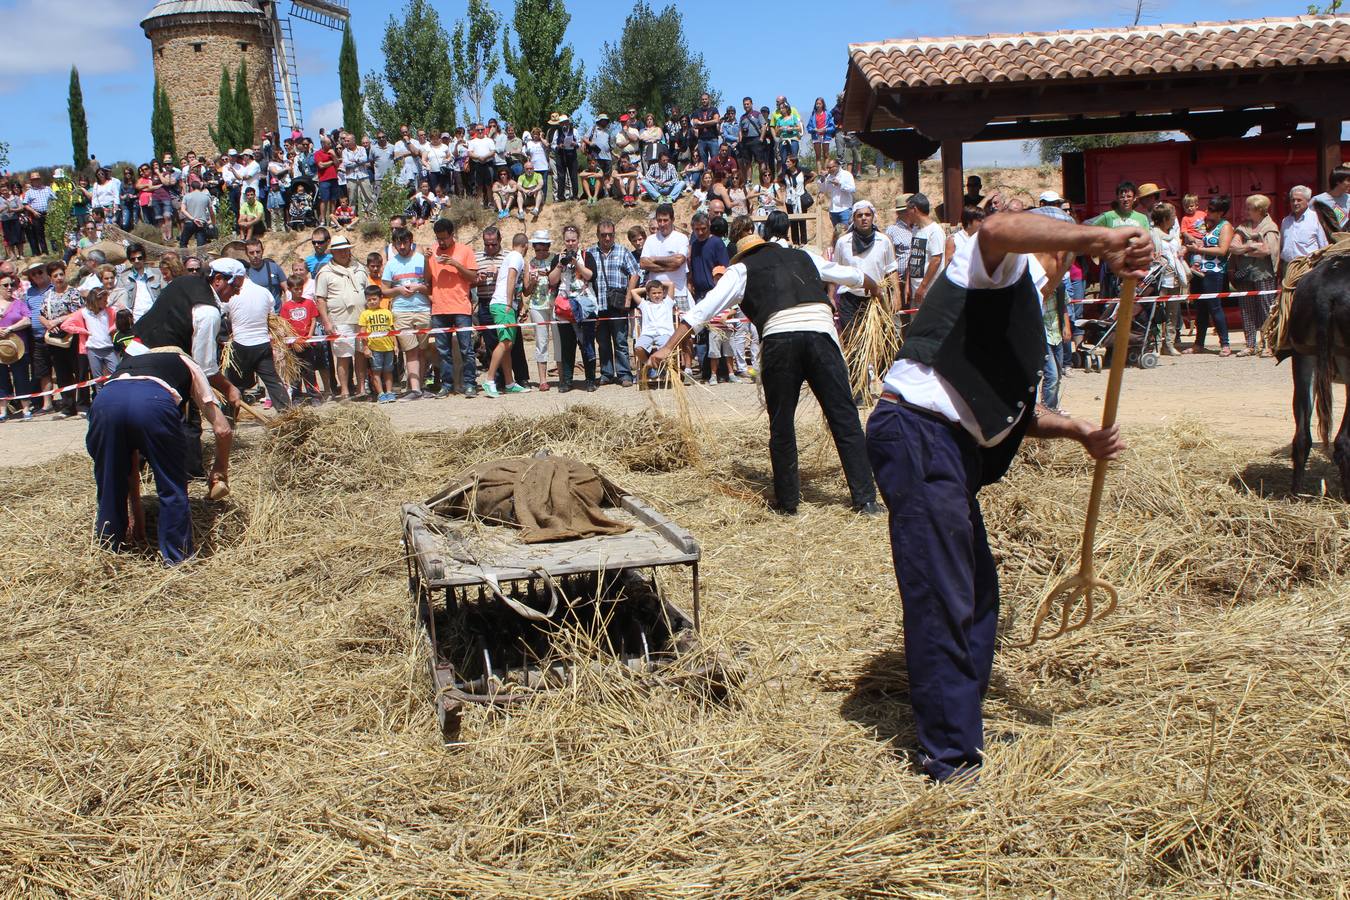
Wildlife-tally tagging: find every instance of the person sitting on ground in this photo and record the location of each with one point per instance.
(345, 215)
(531, 196)
(422, 205)
(251, 222)
(625, 181)
(590, 181)
(505, 194)
(656, 312)
(378, 349)
(663, 184)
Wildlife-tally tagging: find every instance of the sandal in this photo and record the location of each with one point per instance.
(1245, 351)
(1191, 350)
(1225, 352)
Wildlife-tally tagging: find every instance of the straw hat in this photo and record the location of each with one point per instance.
(1148, 188)
(747, 244)
(554, 118)
(11, 349)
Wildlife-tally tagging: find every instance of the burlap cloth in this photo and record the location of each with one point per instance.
(549, 498)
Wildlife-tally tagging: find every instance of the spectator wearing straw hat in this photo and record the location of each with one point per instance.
(36, 199)
(782, 290)
(340, 294)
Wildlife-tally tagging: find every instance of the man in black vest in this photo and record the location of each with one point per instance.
(782, 290)
(954, 410)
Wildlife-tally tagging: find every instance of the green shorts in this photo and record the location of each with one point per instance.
(503, 316)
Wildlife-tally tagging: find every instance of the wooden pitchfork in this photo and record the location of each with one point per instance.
(1075, 592)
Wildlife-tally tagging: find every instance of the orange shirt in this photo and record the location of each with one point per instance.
(449, 289)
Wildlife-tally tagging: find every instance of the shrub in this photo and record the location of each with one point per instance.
(605, 209)
(468, 211)
(392, 199)
(371, 228)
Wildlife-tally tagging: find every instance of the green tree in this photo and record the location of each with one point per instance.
(1330, 9)
(349, 86)
(161, 123)
(417, 86)
(473, 53)
(651, 66)
(222, 135)
(4, 154)
(79, 124)
(1051, 149)
(243, 109)
(543, 78)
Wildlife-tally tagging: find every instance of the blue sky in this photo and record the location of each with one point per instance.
(103, 39)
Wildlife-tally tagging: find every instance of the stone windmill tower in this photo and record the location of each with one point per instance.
(192, 39)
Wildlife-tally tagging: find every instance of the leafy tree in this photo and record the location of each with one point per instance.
(651, 67)
(473, 53)
(243, 109)
(1051, 149)
(222, 135)
(417, 87)
(161, 123)
(1330, 9)
(79, 124)
(349, 85)
(4, 154)
(543, 78)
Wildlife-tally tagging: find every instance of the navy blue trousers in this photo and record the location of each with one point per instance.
(127, 416)
(928, 473)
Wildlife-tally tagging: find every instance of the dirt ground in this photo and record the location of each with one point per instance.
(1245, 399)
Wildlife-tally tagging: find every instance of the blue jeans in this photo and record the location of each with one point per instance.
(1050, 377)
(445, 347)
(844, 217)
(928, 472)
(129, 416)
(786, 149)
(612, 335)
(1205, 310)
(671, 193)
(707, 149)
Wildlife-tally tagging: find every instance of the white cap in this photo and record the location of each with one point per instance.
(1049, 197)
(541, 237)
(231, 152)
(230, 268)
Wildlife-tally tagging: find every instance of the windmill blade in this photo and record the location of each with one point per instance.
(285, 73)
(328, 13)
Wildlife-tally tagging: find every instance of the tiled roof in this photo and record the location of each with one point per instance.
(1104, 53)
(166, 8)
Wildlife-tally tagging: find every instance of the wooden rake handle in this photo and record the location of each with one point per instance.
(1120, 351)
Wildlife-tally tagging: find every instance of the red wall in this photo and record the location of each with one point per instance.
(1239, 168)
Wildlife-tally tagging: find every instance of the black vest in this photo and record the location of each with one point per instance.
(167, 367)
(989, 345)
(777, 278)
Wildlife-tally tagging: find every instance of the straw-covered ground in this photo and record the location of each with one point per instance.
(258, 723)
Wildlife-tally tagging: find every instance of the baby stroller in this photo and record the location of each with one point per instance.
(300, 213)
(1094, 353)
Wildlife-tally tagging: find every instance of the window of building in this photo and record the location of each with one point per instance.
(197, 48)
(243, 45)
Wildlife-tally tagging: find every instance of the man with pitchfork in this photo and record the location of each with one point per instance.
(955, 407)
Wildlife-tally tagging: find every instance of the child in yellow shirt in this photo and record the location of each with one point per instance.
(379, 350)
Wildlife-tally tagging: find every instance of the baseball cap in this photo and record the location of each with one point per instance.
(231, 152)
(541, 237)
(230, 268)
(1049, 197)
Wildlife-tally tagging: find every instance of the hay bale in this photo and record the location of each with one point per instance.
(259, 721)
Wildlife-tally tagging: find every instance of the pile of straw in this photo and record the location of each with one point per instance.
(258, 723)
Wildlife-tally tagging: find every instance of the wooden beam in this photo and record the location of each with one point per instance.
(953, 180)
(909, 175)
(1328, 149)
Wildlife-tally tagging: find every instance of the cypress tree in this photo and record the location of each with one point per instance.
(222, 135)
(243, 109)
(161, 123)
(79, 124)
(349, 86)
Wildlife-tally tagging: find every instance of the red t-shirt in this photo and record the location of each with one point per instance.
(301, 315)
(326, 163)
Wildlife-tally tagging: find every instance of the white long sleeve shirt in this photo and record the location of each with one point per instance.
(818, 317)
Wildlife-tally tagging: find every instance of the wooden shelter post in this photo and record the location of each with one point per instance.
(953, 180)
(909, 175)
(1328, 150)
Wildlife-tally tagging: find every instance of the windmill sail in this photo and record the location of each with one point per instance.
(285, 72)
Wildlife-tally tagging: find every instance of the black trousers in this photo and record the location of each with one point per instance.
(787, 360)
(247, 362)
(66, 371)
(849, 306)
(569, 186)
(36, 230)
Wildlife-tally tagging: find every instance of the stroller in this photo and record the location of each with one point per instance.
(1094, 353)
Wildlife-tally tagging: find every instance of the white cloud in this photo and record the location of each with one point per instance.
(101, 36)
(327, 116)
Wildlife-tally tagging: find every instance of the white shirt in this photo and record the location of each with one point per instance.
(538, 154)
(107, 194)
(248, 311)
(877, 262)
(355, 162)
(1301, 236)
(408, 168)
(205, 335)
(96, 324)
(512, 260)
(841, 189)
(919, 384)
(674, 244)
(1342, 202)
(435, 156)
(247, 174)
(928, 241)
(730, 289)
(141, 299)
(658, 318)
(482, 149)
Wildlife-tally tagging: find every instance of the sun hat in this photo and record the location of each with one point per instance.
(554, 118)
(36, 262)
(541, 237)
(746, 245)
(1147, 188)
(340, 243)
(11, 349)
(231, 152)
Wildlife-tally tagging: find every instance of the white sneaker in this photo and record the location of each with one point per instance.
(733, 379)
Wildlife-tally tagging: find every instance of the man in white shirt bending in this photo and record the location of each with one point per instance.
(250, 340)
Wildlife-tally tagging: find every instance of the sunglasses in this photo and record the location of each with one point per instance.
(318, 243)
(135, 258)
(193, 269)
